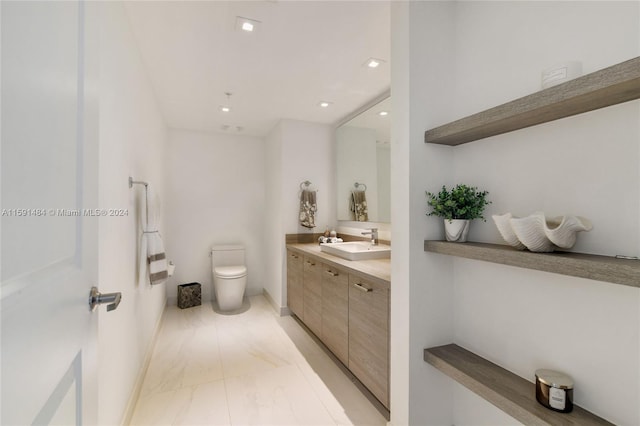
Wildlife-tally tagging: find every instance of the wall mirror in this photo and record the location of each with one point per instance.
(363, 166)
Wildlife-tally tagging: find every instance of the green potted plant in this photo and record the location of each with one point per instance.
(457, 207)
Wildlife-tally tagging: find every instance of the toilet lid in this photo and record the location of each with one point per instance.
(230, 271)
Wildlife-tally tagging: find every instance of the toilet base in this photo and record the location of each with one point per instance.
(246, 305)
(227, 305)
(229, 292)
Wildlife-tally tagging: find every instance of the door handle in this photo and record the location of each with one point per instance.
(96, 298)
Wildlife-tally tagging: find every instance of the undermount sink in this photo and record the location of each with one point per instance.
(357, 250)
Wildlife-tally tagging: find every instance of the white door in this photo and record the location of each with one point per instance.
(49, 245)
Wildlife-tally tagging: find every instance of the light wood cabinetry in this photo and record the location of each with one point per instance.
(335, 311)
(312, 294)
(348, 312)
(295, 291)
(369, 335)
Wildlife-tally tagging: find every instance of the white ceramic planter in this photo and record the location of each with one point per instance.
(456, 230)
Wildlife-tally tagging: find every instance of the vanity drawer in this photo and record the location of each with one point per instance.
(369, 335)
(335, 312)
(312, 280)
(295, 299)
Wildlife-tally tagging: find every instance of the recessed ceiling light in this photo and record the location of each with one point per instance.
(225, 109)
(324, 104)
(374, 62)
(246, 24)
(383, 113)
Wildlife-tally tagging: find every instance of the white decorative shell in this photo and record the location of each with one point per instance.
(530, 232)
(503, 223)
(541, 234)
(565, 233)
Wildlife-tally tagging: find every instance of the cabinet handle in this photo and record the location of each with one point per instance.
(361, 287)
(333, 274)
(312, 264)
(295, 256)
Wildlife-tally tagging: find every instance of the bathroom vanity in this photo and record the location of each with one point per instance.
(346, 305)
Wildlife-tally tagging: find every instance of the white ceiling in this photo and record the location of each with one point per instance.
(303, 52)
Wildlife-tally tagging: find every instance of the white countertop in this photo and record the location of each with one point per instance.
(378, 270)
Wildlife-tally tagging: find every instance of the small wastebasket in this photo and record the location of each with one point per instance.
(189, 295)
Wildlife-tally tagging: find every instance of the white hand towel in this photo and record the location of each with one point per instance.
(152, 245)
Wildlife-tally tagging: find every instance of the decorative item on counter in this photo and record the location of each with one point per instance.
(554, 390)
(539, 233)
(330, 240)
(458, 207)
(333, 234)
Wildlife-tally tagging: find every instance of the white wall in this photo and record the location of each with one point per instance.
(308, 153)
(215, 196)
(421, 298)
(133, 142)
(296, 151)
(587, 165)
(275, 265)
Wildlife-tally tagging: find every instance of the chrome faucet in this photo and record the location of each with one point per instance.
(374, 235)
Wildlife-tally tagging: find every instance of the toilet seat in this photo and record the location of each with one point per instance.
(237, 271)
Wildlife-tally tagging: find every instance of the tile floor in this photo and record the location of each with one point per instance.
(253, 368)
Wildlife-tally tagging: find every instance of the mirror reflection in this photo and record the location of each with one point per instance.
(363, 166)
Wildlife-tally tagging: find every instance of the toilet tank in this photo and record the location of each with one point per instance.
(230, 255)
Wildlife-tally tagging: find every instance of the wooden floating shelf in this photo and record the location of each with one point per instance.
(609, 86)
(594, 267)
(507, 391)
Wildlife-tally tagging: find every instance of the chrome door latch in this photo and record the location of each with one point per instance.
(96, 298)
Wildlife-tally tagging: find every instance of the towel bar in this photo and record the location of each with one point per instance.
(358, 185)
(146, 197)
(306, 184)
(131, 182)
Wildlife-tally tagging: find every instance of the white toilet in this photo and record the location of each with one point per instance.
(229, 276)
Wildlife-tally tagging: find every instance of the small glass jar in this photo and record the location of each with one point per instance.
(554, 390)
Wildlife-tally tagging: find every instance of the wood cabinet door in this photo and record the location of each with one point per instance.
(369, 335)
(295, 299)
(335, 312)
(312, 280)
